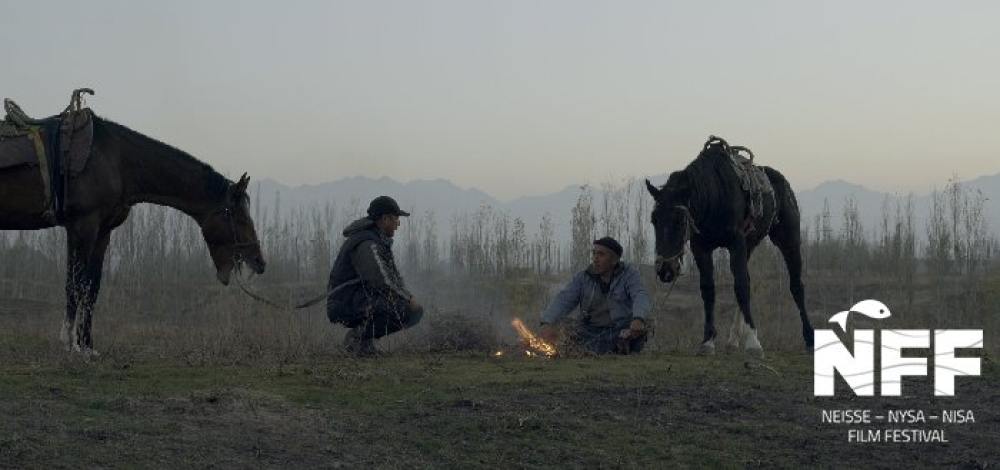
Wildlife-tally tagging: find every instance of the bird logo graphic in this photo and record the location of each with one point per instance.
(869, 308)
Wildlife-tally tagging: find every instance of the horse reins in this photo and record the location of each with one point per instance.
(238, 259)
(307, 303)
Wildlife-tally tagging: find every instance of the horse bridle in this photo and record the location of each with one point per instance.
(230, 215)
(689, 227)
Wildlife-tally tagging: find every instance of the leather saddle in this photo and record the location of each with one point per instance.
(19, 118)
(754, 183)
(58, 145)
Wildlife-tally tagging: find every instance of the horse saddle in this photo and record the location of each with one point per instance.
(59, 145)
(755, 185)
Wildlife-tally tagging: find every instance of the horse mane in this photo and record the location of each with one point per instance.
(712, 178)
(709, 188)
(215, 183)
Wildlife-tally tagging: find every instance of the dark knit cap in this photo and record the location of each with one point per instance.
(611, 244)
(383, 205)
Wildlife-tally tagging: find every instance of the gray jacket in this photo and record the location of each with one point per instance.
(627, 297)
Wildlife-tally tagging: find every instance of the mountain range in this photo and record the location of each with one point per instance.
(447, 200)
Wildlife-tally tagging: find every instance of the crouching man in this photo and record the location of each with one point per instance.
(614, 305)
(369, 296)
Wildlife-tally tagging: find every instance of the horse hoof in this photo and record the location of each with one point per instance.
(706, 349)
(85, 352)
(755, 353)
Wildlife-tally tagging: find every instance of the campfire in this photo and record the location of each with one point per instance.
(531, 344)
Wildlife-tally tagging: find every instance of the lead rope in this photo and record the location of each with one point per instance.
(300, 305)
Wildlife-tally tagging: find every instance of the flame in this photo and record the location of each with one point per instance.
(498, 354)
(535, 343)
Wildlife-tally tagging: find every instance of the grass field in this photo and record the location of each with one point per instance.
(196, 376)
(462, 410)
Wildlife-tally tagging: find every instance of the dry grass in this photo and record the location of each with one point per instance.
(210, 325)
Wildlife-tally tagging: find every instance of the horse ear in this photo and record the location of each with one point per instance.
(241, 187)
(652, 190)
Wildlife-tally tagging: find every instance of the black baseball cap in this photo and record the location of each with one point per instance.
(383, 205)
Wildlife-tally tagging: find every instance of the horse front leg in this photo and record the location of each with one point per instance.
(706, 274)
(738, 262)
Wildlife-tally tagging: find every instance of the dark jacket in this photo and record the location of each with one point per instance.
(364, 268)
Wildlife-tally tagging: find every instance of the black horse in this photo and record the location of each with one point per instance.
(722, 200)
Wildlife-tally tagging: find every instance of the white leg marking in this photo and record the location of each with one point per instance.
(64, 332)
(707, 348)
(737, 330)
(753, 345)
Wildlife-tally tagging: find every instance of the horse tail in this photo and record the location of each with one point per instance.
(786, 205)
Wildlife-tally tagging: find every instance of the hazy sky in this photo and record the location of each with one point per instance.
(526, 97)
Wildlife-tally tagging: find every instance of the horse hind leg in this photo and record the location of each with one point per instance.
(786, 235)
(76, 325)
(738, 255)
(72, 323)
(82, 243)
(791, 252)
(94, 276)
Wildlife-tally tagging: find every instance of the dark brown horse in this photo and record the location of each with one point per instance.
(716, 202)
(126, 168)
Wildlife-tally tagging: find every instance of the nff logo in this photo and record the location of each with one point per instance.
(858, 369)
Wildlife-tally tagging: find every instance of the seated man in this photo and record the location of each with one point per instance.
(614, 305)
(369, 296)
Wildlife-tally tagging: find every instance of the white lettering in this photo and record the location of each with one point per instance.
(831, 356)
(847, 416)
(894, 365)
(957, 416)
(864, 435)
(946, 365)
(906, 416)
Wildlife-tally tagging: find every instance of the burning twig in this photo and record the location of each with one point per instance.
(533, 344)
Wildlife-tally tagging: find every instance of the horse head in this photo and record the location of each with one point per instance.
(672, 223)
(230, 234)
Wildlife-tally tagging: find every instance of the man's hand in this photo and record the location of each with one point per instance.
(414, 305)
(637, 327)
(548, 333)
